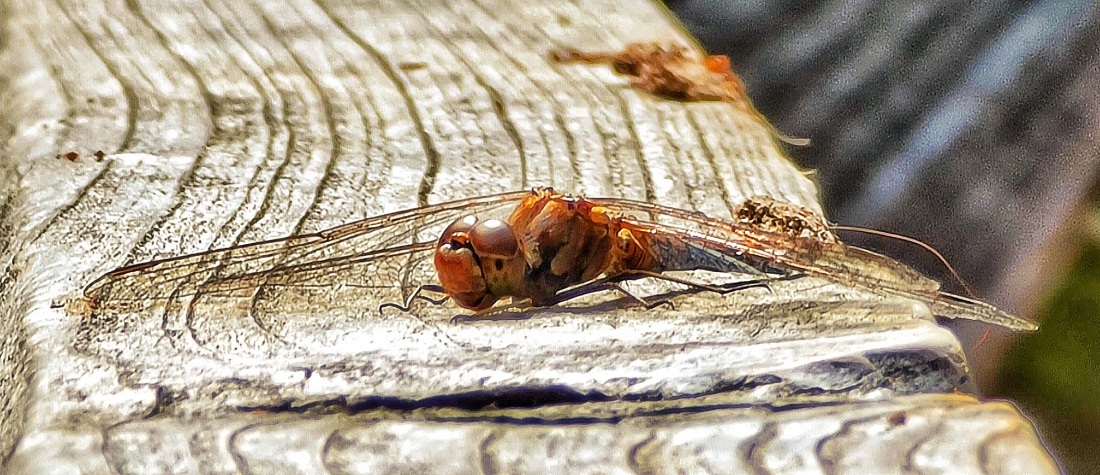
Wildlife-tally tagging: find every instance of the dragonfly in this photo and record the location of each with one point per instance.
(545, 248)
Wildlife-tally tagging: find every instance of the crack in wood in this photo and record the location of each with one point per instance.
(427, 182)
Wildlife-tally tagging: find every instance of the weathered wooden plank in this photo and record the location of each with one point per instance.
(908, 434)
(233, 123)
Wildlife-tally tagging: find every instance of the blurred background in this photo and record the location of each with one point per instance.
(972, 126)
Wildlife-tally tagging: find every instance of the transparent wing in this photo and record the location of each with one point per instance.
(701, 235)
(368, 260)
(687, 238)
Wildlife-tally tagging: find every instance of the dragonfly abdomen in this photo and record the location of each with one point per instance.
(676, 254)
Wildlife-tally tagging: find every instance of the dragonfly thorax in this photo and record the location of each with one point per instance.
(550, 242)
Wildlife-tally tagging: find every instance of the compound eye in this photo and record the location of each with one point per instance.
(458, 267)
(494, 238)
(458, 233)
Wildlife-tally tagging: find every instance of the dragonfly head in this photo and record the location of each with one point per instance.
(479, 262)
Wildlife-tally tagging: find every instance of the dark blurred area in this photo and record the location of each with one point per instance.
(972, 126)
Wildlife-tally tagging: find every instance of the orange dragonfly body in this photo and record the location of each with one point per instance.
(553, 242)
(550, 248)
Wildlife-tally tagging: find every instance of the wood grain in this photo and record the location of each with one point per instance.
(910, 434)
(231, 123)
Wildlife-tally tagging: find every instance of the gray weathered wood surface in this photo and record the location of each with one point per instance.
(231, 123)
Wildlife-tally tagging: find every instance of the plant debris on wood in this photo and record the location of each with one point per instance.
(673, 72)
(670, 72)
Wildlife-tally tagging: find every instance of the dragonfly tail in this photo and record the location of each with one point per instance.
(957, 306)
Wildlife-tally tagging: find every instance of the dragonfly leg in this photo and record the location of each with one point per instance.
(607, 283)
(721, 289)
(612, 283)
(418, 294)
(718, 289)
(491, 312)
(648, 304)
(599, 285)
